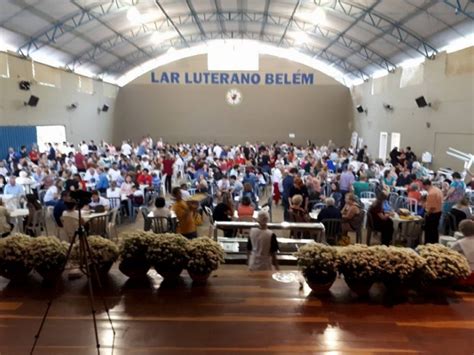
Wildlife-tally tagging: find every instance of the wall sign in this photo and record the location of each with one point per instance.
(232, 78)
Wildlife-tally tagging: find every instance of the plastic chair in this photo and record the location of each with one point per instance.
(392, 199)
(70, 225)
(367, 194)
(208, 211)
(333, 228)
(159, 224)
(146, 220)
(98, 226)
(370, 228)
(358, 231)
(112, 225)
(35, 224)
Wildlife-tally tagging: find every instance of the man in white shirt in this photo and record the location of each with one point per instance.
(114, 172)
(126, 148)
(217, 151)
(97, 200)
(84, 148)
(91, 175)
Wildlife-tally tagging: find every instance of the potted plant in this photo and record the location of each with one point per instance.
(360, 266)
(444, 266)
(204, 256)
(168, 254)
(48, 255)
(400, 268)
(15, 261)
(104, 254)
(133, 251)
(318, 264)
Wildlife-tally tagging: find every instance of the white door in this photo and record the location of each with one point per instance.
(383, 145)
(395, 141)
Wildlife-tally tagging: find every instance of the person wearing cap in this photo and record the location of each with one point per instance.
(262, 245)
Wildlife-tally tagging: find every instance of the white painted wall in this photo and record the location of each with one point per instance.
(82, 123)
(448, 82)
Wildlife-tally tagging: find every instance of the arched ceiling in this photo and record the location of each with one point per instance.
(111, 37)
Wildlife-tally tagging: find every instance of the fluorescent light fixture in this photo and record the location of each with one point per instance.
(263, 49)
(160, 37)
(379, 73)
(301, 37)
(413, 62)
(133, 15)
(459, 44)
(233, 55)
(318, 16)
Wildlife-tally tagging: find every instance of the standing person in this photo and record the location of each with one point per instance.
(346, 181)
(433, 205)
(299, 188)
(287, 183)
(455, 193)
(361, 154)
(184, 214)
(168, 162)
(262, 245)
(381, 219)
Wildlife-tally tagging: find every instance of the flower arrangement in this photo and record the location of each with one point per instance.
(104, 252)
(318, 262)
(133, 251)
(48, 255)
(445, 264)
(399, 265)
(135, 244)
(359, 262)
(15, 261)
(205, 255)
(168, 253)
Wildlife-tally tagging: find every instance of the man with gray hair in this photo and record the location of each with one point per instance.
(262, 245)
(330, 211)
(465, 245)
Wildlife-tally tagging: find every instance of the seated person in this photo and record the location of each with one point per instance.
(113, 191)
(248, 191)
(262, 245)
(330, 211)
(12, 188)
(137, 196)
(98, 202)
(5, 226)
(297, 212)
(381, 219)
(461, 211)
(245, 210)
(52, 194)
(351, 215)
(160, 209)
(465, 246)
(236, 186)
(223, 212)
(60, 207)
(184, 191)
(360, 186)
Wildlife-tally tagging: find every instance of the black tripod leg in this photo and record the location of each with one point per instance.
(99, 283)
(50, 302)
(83, 246)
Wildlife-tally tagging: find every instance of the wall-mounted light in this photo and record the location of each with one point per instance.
(32, 101)
(421, 102)
(360, 109)
(72, 106)
(104, 108)
(388, 107)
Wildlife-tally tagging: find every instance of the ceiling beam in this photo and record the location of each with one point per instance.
(217, 4)
(382, 23)
(265, 17)
(196, 18)
(170, 20)
(290, 21)
(319, 32)
(459, 9)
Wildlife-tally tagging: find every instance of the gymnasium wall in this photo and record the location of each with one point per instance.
(447, 82)
(200, 113)
(61, 89)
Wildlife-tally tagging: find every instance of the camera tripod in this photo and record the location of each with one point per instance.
(88, 266)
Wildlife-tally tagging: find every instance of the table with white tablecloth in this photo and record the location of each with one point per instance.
(17, 216)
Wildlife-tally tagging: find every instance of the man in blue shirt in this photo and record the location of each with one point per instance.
(287, 184)
(12, 188)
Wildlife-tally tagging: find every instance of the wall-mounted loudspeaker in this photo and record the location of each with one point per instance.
(105, 108)
(32, 101)
(388, 107)
(360, 109)
(421, 102)
(24, 85)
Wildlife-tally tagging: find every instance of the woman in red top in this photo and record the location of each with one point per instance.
(168, 170)
(34, 155)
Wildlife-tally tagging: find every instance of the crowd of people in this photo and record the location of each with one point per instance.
(300, 177)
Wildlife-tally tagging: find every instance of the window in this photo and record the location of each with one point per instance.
(233, 55)
(383, 145)
(395, 140)
(85, 85)
(46, 76)
(49, 134)
(4, 69)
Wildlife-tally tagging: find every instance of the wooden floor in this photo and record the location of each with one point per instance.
(237, 312)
